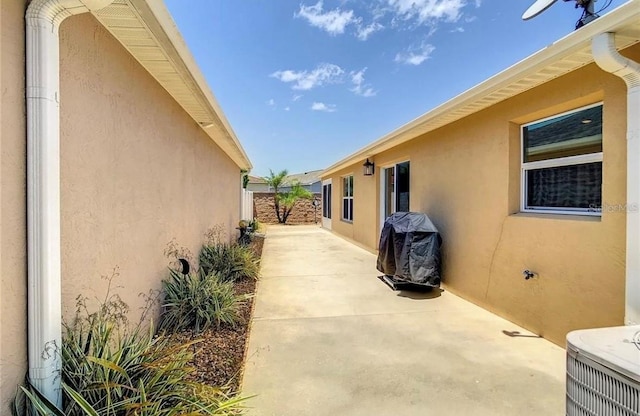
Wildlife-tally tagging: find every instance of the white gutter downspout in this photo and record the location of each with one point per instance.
(43, 19)
(607, 57)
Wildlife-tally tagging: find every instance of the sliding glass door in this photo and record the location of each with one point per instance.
(326, 204)
(402, 187)
(394, 190)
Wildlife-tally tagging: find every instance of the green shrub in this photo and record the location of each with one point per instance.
(41, 406)
(198, 301)
(111, 370)
(233, 262)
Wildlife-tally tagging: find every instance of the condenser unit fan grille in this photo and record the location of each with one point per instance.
(594, 390)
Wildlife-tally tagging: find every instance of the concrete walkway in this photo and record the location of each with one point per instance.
(328, 338)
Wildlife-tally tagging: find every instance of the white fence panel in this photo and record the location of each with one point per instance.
(247, 205)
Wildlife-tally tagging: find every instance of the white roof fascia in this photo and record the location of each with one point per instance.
(147, 30)
(561, 57)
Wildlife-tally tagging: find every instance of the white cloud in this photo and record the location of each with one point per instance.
(415, 55)
(323, 107)
(358, 77)
(359, 86)
(458, 29)
(384, 14)
(287, 108)
(296, 97)
(333, 21)
(271, 102)
(365, 92)
(306, 80)
(428, 10)
(364, 32)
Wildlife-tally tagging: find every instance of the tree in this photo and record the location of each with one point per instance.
(275, 181)
(284, 202)
(288, 200)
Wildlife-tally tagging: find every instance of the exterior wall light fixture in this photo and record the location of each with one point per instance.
(369, 168)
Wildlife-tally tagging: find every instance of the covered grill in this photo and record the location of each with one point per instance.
(409, 251)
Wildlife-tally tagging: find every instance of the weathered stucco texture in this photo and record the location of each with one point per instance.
(136, 171)
(13, 269)
(303, 212)
(466, 177)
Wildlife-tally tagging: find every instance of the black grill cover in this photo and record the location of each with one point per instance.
(409, 249)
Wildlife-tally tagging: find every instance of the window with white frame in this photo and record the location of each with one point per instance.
(562, 163)
(347, 198)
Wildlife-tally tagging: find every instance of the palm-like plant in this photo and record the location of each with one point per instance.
(275, 181)
(284, 202)
(288, 200)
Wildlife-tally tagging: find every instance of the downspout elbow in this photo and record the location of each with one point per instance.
(53, 12)
(609, 59)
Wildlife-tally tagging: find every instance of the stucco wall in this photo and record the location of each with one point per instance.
(13, 309)
(363, 229)
(136, 171)
(466, 177)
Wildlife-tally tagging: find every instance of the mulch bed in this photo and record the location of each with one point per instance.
(219, 358)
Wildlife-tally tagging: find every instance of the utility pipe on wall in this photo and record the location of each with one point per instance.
(43, 19)
(609, 59)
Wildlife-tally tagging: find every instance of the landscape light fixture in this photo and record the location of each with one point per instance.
(369, 168)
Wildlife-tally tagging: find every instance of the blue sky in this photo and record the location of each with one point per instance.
(305, 83)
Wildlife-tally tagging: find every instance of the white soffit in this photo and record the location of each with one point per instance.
(561, 57)
(145, 28)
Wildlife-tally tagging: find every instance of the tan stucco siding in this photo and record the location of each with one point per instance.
(136, 171)
(13, 273)
(466, 177)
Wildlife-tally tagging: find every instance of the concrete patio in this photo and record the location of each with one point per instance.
(328, 338)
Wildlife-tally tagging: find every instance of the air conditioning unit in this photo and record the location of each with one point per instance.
(603, 372)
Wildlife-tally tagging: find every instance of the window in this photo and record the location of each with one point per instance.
(347, 198)
(562, 163)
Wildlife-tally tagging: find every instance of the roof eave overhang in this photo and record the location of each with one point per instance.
(561, 57)
(145, 28)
